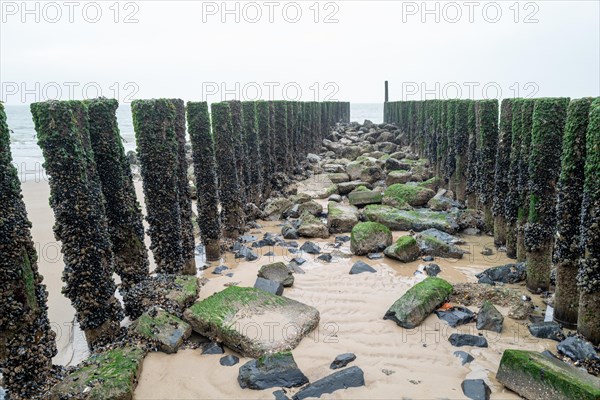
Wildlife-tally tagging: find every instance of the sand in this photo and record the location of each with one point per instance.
(397, 362)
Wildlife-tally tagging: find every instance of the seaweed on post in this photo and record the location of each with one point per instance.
(254, 163)
(205, 171)
(549, 116)
(523, 181)
(500, 175)
(461, 148)
(157, 147)
(264, 147)
(235, 107)
(450, 155)
(81, 226)
(487, 125)
(511, 202)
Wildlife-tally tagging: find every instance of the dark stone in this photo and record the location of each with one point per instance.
(547, 330)
(269, 286)
(342, 360)
(245, 252)
(443, 236)
(247, 238)
(459, 340)
(219, 270)
(508, 273)
(485, 280)
(489, 318)
(325, 257)
(269, 254)
(229, 360)
(360, 267)
(342, 239)
(310, 248)
(280, 395)
(465, 357)
(289, 232)
(343, 379)
(432, 269)
(298, 260)
(375, 256)
(476, 389)
(212, 348)
(229, 274)
(276, 370)
(577, 349)
(427, 258)
(456, 316)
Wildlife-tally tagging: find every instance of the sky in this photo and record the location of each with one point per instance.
(303, 50)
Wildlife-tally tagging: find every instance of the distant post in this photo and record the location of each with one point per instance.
(387, 94)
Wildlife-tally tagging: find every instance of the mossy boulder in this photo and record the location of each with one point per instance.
(536, 376)
(361, 198)
(234, 315)
(405, 249)
(399, 176)
(399, 194)
(355, 168)
(111, 375)
(432, 184)
(418, 302)
(163, 328)
(312, 227)
(369, 237)
(275, 207)
(340, 217)
(338, 177)
(346, 187)
(405, 220)
(278, 272)
(432, 246)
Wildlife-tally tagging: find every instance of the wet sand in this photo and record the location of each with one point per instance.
(397, 362)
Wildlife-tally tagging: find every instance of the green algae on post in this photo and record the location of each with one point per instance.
(523, 182)
(511, 201)
(487, 131)
(254, 162)
(501, 176)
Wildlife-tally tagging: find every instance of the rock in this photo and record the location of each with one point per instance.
(428, 258)
(342, 360)
(219, 270)
(508, 273)
(469, 219)
(535, 376)
(225, 315)
(489, 318)
(547, 330)
(418, 302)
(371, 174)
(369, 237)
(456, 316)
(229, 360)
(327, 257)
(407, 220)
(487, 251)
(341, 218)
(312, 227)
(280, 395)
(132, 157)
(476, 389)
(431, 246)
(342, 239)
(405, 250)
(159, 326)
(432, 184)
(360, 267)
(375, 256)
(355, 168)
(459, 340)
(277, 272)
(275, 370)
(212, 348)
(363, 198)
(338, 177)
(310, 248)
(577, 349)
(343, 379)
(465, 357)
(394, 164)
(521, 311)
(311, 207)
(432, 269)
(313, 158)
(335, 197)
(439, 202)
(399, 194)
(289, 232)
(118, 369)
(386, 147)
(394, 177)
(269, 286)
(347, 187)
(443, 236)
(275, 207)
(247, 253)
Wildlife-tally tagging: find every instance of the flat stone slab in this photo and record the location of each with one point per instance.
(109, 375)
(251, 321)
(342, 379)
(406, 220)
(535, 376)
(418, 302)
(275, 370)
(159, 326)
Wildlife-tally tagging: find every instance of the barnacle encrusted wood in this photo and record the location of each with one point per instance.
(81, 226)
(511, 201)
(254, 164)
(549, 116)
(523, 182)
(265, 141)
(471, 189)
(501, 169)
(487, 116)
(461, 148)
(154, 125)
(123, 211)
(239, 143)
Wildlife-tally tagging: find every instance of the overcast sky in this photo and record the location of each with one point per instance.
(345, 51)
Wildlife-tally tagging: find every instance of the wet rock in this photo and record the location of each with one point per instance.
(325, 257)
(311, 207)
(310, 248)
(212, 348)
(341, 218)
(289, 232)
(369, 237)
(440, 202)
(375, 256)
(465, 357)
(275, 207)
(394, 164)
(407, 220)
(394, 177)
(508, 273)
(158, 326)
(405, 250)
(456, 316)
(229, 360)
(342, 239)
(347, 187)
(269, 286)
(312, 227)
(361, 198)
(219, 270)
(432, 269)
(276, 370)
(343, 379)
(298, 260)
(428, 258)
(535, 376)
(431, 246)
(459, 340)
(469, 219)
(399, 194)
(443, 236)
(338, 177)
(577, 349)
(342, 360)
(476, 389)
(313, 158)
(418, 302)
(360, 267)
(238, 306)
(247, 253)
(487, 251)
(277, 272)
(489, 318)
(547, 330)
(521, 311)
(335, 197)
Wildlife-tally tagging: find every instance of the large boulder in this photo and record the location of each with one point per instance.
(440, 202)
(346, 187)
(226, 316)
(405, 250)
(507, 273)
(413, 195)
(158, 326)
(278, 272)
(369, 237)
(361, 198)
(310, 207)
(343, 379)
(275, 207)
(339, 177)
(418, 302)
(340, 217)
(535, 376)
(432, 246)
(397, 176)
(312, 227)
(406, 220)
(273, 370)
